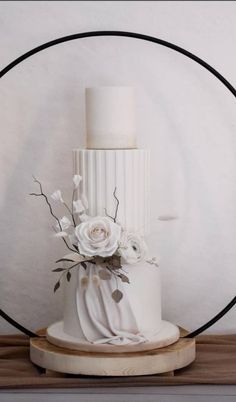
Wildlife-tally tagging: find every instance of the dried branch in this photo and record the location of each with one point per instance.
(42, 194)
(66, 271)
(70, 212)
(117, 204)
(116, 295)
(113, 273)
(109, 216)
(117, 207)
(72, 205)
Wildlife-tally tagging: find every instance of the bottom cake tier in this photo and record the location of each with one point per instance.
(93, 321)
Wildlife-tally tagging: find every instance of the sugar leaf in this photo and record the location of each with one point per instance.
(117, 295)
(104, 274)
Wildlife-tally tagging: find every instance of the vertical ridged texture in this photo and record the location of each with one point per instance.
(126, 170)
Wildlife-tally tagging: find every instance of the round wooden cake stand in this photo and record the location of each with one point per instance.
(156, 361)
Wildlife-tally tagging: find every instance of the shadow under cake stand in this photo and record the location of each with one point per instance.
(168, 351)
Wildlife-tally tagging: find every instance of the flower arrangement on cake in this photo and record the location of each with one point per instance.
(99, 240)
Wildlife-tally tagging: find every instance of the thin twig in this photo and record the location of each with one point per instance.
(67, 270)
(109, 216)
(51, 211)
(117, 204)
(73, 266)
(71, 213)
(72, 206)
(114, 273)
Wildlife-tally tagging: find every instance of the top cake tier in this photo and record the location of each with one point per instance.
(110, 118)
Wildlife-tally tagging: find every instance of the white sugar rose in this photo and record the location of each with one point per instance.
(98, 236)
(132, 248)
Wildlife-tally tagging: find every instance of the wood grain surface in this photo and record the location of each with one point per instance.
(161, 360)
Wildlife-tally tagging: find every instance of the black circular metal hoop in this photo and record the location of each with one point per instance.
(124, 34)
(147, 38)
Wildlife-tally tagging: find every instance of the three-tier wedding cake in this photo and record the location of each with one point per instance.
(113, 301)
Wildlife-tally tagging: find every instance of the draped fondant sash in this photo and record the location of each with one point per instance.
(102, 319)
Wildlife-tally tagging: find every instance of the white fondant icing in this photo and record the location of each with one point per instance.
(101, 319)
(110, 117)
(126, 170)
(90, 313)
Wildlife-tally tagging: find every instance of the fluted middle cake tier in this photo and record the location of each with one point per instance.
(127, 171)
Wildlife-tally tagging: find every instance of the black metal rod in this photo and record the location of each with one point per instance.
(213, 320)
(120, 34)
(17, 325)
(148, 38)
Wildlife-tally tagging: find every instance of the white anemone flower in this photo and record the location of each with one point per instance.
(76, 180)
(78, 206)
(56, 196)
(133, 248)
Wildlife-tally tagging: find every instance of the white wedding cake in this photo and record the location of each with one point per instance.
(106, 310)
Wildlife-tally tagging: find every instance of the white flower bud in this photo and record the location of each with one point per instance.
(56, 196)
(78, 206)
(65, 223)
(76, 180)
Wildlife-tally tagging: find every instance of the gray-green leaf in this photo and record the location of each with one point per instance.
(117, 295)
(68, 276)
(56, 286)
(104, 274)
(64, 259)
(58, 269)
(124, 278)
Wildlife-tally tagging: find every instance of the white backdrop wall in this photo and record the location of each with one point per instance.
(185, 116)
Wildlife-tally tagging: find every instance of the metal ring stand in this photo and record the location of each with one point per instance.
(147, 38)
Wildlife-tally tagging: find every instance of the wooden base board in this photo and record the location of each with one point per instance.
(156, 361)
